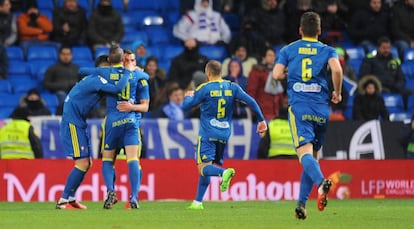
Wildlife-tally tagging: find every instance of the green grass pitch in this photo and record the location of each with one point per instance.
(352, 214)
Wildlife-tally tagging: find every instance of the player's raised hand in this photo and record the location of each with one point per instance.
(261, 127)
(336, 97)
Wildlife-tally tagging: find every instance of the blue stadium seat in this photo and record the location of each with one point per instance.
(139, 16)
(401, 117)
(39, 67)
(101, 51)
(158, 35)
(20, 86)
(356, 52)
(409, 54)
(355, 64)
(5, 112)
(21, 77)
(116, 4)
(348, 110)
(133, 35)
(81, 53)
(156, 51)
(45, 52)
(18, 67)
(165, 64)
(214, 52)
(152, 20)
(169, 5)
(9, 100)
(233, 21)
(46, 4)
(51, 101)
(84, 63)
(172, 51)
(410, 103)
(5, 86)
(15, 53)
(171, 18)
(408, 69)
(393, 102)
(129, 21)
(48, 13)
(143, 5)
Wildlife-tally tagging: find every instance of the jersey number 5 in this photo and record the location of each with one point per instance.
(221, 109)
(306, 69)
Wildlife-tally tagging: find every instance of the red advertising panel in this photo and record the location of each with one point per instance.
(43, 180)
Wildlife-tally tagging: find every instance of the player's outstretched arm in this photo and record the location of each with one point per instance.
(261, 127)
(336, 70)
(112, 88)
(279, 72)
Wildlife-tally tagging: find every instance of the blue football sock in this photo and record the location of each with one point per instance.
(306, 185)
(134, 174)
(108, 173)
(312, 169)
(73, 181)
(203, 183)
(212, 170)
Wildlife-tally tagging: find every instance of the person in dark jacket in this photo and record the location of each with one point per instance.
(69, 23)
(186, 63)
(62, 76)
(402, 26)
(368, 103)
(34, 103)
(8, 24)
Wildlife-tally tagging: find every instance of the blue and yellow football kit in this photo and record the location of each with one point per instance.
(217, 99)
(308, 93)
(121, 128)
(78, 103)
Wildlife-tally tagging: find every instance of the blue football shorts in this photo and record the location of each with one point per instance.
(75, 140)
(210, 150)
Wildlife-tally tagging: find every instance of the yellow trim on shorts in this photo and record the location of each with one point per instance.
(292, 123)
(103, 135)
(75, 142)
(198, 150)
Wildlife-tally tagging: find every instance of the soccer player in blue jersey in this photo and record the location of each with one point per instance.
(305, 64)
(122, 130)
(78, 103)
(216, 97)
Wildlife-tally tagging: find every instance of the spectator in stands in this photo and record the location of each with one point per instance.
(247, 61)
(4, 62)
(141, 55)
(69, 23)
(270, 22)
(269, 103)
(333, 22)
(235, 74)
(62, 76)
(250, 37)
(385, 67)
(18, 139)
(368, 103)
(402, 25)
(199, 77)
(34, 103)
(34, 27)
(203, 24)
(156, 81)
(294, 10)
(105, 26)
(367, 25)
(408, 140)
(348, 70)
(172, 108)
(186, 63)
(8, 24)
